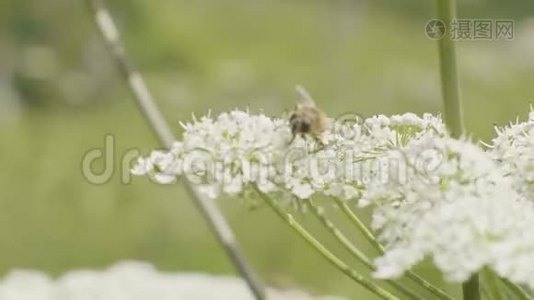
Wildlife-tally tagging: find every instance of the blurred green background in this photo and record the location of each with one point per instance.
(60, 94)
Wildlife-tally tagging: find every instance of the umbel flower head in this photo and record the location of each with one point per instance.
(514, 148)
(236, 149)
(221, 154)
(433, 196)
(453, 205)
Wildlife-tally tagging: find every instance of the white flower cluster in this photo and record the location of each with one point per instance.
(236, 149)
(133, 281)
(454, 205)
(224, 154)
(514, 148)
(432, 195)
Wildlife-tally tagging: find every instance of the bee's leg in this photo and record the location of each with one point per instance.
(292, 139)
(306, 138)
(319, 142)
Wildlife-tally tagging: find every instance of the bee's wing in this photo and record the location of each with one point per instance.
(304, 96)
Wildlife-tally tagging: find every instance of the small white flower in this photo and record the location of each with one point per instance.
(142, 167)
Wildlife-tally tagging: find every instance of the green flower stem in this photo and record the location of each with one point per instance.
(492, 284)
(518, 292)
(211, 213)
(334, 260)
(367, 234)
(372, 239)
(485, 293)
(471, 288)
(449, 73)
(360, 256)
(452, 103)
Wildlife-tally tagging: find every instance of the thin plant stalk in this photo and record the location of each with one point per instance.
(367, 234)
(360, 256)
(492, 284)
(209, 210)
(446, 12)
(448, 70)
(471, 288)
(485, 293)
(378, 247)
(321, 249)
(516, 290)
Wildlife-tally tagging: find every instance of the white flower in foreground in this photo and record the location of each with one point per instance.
(236, 149)
(452, 204)
(133, 281)
(514, 148)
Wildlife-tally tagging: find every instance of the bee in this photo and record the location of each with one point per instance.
(307, 118)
